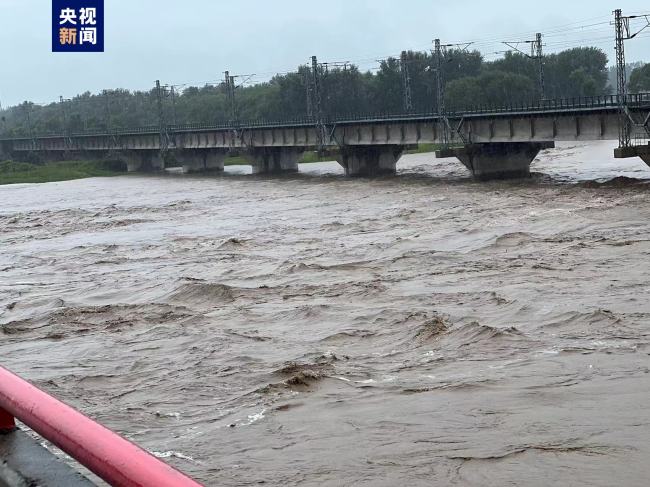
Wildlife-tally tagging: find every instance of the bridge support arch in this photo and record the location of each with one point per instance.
(274, 160)
(370, 160)
(143, 160)
(499, 160)
(200, 160)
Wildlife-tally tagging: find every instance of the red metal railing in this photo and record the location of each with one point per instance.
(114, 459)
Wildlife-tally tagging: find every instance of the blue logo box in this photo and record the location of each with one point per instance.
(77, 25)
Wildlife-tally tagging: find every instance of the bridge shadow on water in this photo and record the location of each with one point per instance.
(419, 176)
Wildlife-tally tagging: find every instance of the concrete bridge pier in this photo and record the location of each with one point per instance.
(369, 160)
(274, 160)
(642, 151)
(499, 160)
(5, 150)
(646, 157)
(143, 160)
(201, 160)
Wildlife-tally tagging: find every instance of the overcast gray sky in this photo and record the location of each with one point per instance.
(194, 41)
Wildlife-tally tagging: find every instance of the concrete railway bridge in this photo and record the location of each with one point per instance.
(491, 143)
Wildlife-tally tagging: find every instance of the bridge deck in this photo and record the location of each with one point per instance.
(592, 118)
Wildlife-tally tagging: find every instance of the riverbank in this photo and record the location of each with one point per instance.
(12, 172)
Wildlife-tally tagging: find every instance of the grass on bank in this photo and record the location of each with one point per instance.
(24, 172)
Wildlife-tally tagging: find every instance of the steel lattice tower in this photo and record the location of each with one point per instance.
(539, 55)
(161, 116)
(406, 82)
(317, 101)
(621, 25)
(440, 93)
(229, 82)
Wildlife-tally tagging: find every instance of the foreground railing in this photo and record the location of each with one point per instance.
(111, 457)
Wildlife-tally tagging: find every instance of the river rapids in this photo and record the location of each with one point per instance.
(313, 329)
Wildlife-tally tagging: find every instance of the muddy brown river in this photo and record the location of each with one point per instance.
(312, 329)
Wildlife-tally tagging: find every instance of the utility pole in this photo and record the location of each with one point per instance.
(537, 54)
(66, 129)
(231, 87)
(63, 115)
(623, 33)
(107, 110)
(173, 96)
(233, 104)
(308, 93)
(622, 27)
(537, 48)
(161, 117)
(440, 93)
(406, 83)
(316, 85)
(29, 126)
(317, 102)
(439, 52)
(230, 92)
(440, 85)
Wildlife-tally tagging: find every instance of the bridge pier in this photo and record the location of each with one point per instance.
(499, 160)
(5, 150)
(274, 160)
(642, 151)
(646, 158)
(200, 160)
(143, 160)
(369, 160)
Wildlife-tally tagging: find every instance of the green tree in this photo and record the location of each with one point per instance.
(576, 72)
(470, 82)
(583, 83)
(494, 88)
(640, 79)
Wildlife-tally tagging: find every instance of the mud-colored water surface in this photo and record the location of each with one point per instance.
(317, 330)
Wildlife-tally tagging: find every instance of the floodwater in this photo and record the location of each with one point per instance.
(317, 330)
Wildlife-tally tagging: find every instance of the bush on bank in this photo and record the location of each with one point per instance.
(12, 172)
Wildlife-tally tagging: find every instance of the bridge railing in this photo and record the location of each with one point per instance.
(111, 457)
(636, 100)
(589, 102)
